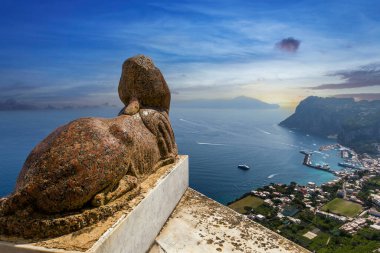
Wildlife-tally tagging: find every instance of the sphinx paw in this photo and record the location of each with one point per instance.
(132, 108)
(98, 200)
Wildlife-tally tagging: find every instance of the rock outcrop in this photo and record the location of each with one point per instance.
(73, 177)
(356, 124)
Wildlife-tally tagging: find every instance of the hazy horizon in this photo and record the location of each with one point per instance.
(61, 52)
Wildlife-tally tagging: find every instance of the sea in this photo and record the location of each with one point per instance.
(216, 140)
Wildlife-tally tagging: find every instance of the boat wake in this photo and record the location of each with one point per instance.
(190, 122)
(261, 130)
(289, 145)
(321, 153)
(273, 175)
(211, 144)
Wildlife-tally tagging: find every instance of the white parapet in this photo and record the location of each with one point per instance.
(133, 232)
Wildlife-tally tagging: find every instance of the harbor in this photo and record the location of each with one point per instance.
(351, 160)
(307, 162)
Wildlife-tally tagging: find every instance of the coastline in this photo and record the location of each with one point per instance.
(344, 172)
(311, 213)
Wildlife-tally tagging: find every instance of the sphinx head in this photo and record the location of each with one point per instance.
(142, 86)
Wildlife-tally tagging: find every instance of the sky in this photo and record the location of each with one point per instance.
(70, 52)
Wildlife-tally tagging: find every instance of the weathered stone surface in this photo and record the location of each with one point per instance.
(72, 177)
(81, 159)
(141, 81)
(199, 224)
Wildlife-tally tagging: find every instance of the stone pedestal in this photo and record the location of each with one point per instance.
(133, 230)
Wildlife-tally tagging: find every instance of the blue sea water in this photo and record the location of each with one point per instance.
(216, 141)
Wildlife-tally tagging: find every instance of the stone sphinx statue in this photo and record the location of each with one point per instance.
(77, 175)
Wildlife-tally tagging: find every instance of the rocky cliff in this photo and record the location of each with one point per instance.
(356, 124)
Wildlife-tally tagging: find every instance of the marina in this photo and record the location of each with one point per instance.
(307, 162)
(351, 161)
(348, 165)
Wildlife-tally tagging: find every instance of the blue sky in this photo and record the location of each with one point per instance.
(70, 52)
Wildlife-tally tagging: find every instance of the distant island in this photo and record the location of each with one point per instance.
(14, 105)
(354, 124)
(241, 102)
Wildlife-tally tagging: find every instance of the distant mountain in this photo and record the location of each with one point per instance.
(356, 124)
(241, 102)
(11, 104)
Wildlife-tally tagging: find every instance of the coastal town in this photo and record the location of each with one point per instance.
(340, 215)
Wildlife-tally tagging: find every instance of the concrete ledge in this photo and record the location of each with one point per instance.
(136, 230)
(200, 224)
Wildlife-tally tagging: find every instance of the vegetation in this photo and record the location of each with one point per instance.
(356, 123)
(329, 239)
(332, 189)
(265, 210)
(368, 188)
(342, 207)
(366, 240)
(375, 181)
(243, 205)
(329, 236)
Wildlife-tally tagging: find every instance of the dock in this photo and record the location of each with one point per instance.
(307, 162)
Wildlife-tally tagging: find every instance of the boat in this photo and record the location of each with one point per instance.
(304, 152)
(318, 166)
(323, 167)
(243, 166)
(326, 166)
(347, 165)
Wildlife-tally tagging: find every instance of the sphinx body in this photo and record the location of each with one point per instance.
(85, 158)
(91, 162)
